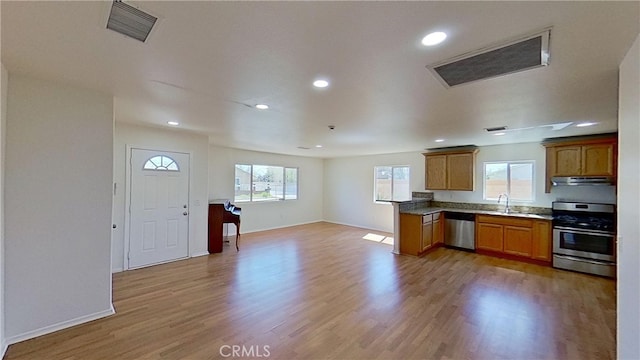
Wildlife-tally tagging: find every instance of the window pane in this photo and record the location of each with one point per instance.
(243, 183)
(521, 181)
(267, 183)
(291, 183)
(495, 182)
(401, 188)
(383, 183)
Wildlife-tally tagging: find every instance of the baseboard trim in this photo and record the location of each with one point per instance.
(59, 326)
(205, 253)
(4, 349)
(280, 227)
(358, 226)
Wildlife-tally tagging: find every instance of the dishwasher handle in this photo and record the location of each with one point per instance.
(460, 216)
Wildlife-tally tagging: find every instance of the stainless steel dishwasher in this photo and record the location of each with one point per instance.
(460, 230)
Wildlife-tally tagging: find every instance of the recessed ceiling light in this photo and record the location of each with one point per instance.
(439, 140)
(585, 124)
(320, 83)
(173, 123)
(318, 146)
(434, 38)
(262, 106)
(500, 134)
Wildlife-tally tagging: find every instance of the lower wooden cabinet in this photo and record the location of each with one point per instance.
(523, 238)
(489, 236)
(517, 240)
(427, 235)
(438, 229)
(419, 233)
(541, 244)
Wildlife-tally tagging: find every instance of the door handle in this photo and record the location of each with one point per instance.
(185, 213)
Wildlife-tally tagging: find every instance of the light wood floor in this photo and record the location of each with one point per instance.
(320, 291)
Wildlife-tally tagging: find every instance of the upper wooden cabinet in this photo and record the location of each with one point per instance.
(436, 172)
(581, 157)
(450, 170)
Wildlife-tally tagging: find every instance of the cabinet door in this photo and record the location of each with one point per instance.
(597, 159)
(489, 236)
(427, 235)
(410, 234)
(460, 171)
(566, 160)
(541, 242)
(438, 233)
(436, 172)
(517, 240)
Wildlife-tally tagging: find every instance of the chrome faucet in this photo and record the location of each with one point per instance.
(506, 207)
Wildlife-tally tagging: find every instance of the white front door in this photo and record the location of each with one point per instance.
(159, 207)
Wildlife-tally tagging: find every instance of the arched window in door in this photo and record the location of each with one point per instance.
(162, 163)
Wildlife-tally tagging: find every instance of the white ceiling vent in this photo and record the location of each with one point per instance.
(523, 53)
(129, 21)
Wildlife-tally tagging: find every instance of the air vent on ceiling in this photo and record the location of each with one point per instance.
(497, 128)
(129, 21)
(523, 53)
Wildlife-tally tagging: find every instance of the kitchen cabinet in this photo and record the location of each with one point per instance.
(541, 245)
(436, 172)
(489, 236)
(517, 240)
(410, 234)
(438, 228)
(521, 238)
(419, 233)
(450, 170)
(581, 157)
(427, 232)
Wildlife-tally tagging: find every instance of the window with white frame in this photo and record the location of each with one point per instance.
(255, 183)
(391, 183)
(514, 178)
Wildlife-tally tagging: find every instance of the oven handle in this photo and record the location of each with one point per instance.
(585, 232)
(573, 258)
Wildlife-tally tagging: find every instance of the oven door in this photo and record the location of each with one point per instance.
(590, 244)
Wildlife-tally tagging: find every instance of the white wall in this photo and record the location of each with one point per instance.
(629, 206)
(4, 77)
(348, 189)
(348, 185)
(170, 140)
(59, 151)
(268, 215)
(526, 151)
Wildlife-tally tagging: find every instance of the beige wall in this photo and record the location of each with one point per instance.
(629, 206)
(271, 214)
(170, 139)
(526, 151)
(349, 194)
(59, 156)
(4, 78)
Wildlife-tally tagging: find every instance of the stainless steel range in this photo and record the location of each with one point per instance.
(584, 237)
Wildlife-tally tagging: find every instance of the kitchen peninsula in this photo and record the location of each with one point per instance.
(523, 234)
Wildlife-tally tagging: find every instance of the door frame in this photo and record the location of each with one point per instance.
(127, 199)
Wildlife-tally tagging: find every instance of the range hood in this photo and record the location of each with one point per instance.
(582, 180)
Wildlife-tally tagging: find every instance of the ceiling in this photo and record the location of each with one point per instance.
(206, 64)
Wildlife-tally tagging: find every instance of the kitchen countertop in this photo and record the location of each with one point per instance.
(431, 210)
